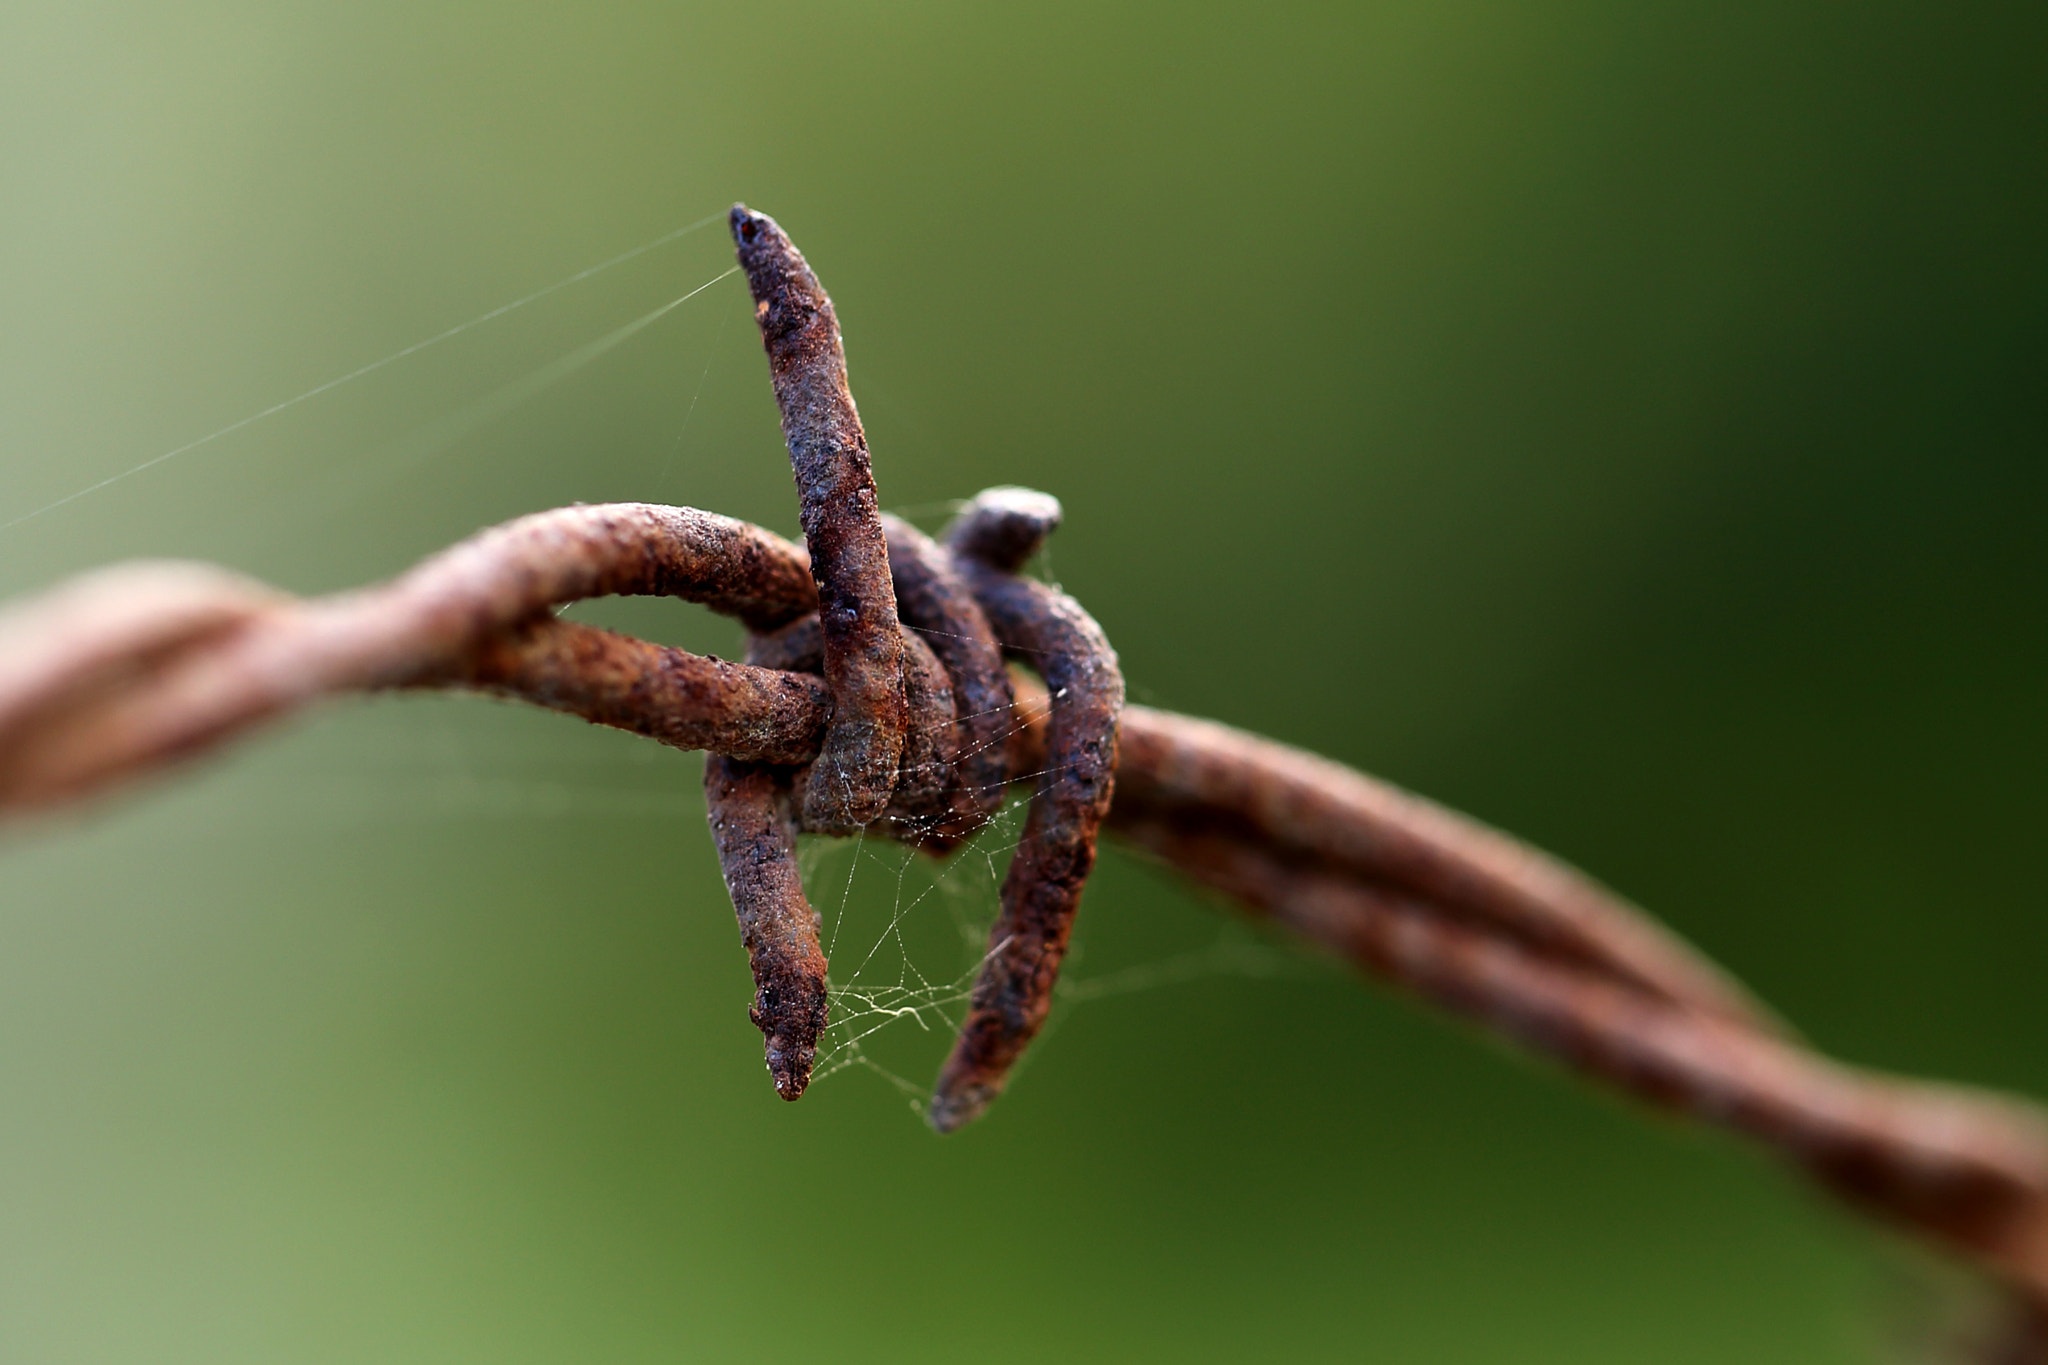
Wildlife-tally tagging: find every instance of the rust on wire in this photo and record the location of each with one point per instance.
(754, 826)
(935, 603)
(828, 452)
(925, 773)
(130, 670)
(684, 700)
(1004, 527)
(798, 647)
(1042, 890)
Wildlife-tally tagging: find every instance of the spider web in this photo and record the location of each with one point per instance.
(906, 935)
(902, 972)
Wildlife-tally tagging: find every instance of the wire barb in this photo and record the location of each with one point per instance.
(835, 482)
(1042, 890)
(754, 826)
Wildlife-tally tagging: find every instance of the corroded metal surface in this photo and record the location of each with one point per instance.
(1042, 890)
(924, 776)
(754, 825)
(760, 715)
(935, 603)
(798, 647)
(850, 783)
(1004, 527)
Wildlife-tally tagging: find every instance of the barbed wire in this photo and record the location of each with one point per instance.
(132, 670)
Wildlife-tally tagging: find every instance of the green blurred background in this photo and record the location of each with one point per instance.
(1622, 422)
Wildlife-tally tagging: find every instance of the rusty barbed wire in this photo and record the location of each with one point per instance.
(134, 669)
